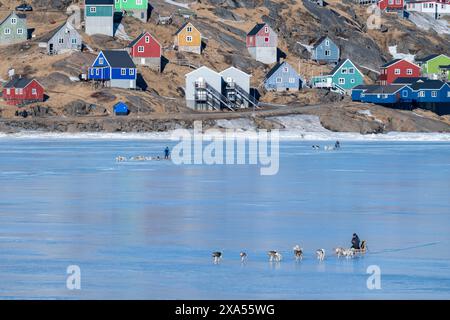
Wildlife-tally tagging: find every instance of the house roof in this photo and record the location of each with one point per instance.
(184, 25)
(239, 70)
(118, 59)
(340, 64)
(139, 37)
(363, 87)
(406, 80)
(256, 29)
(276, 67)
(19, 15)
(427, 85)
(427, 58)
(392, 62)
(320, 40)
(390, 89)
(51, 34)
(18, 83)
(101, 2)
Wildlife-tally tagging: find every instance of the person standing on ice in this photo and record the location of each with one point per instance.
(355, 241)
(166, 153)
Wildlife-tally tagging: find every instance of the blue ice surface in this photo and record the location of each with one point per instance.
(146, 230)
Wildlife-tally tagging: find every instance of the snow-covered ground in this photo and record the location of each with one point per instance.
(178, 4)
(398, 55)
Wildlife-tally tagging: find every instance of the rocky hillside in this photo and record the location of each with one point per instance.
(224, 24)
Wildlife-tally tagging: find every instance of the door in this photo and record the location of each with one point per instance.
(50, 48)
(142, 60)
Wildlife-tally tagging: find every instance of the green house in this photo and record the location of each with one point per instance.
(135, 8)
(13, 29)
(344, 77)
(435, 66)
(99, 17)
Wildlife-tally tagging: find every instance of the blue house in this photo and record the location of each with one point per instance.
(431, 91)
(384, 95)
(358, 92)
(325, 50)
(121, 109)
(283, 77)
(114, 68)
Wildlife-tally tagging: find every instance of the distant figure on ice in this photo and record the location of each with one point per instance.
(166, 153)
(355, 241)
(337, 145)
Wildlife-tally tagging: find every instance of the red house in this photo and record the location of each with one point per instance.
(397, 68)
(145, 50)
(391, 4)
(20, 91)
(262, 43)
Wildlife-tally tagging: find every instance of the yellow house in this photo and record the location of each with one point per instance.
(188, 39)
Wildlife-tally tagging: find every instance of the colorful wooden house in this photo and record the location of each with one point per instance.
(397, 68)
(391, 5)
(62, 39)
(135, 8)
(432, 91)
(20, 91)
(344, 77)
(262, 43)
(99, 17)
(325, 50)
(435, 8)
(283, 77)
(13, 29)
(433, 66)
(188, 38)
(358, 92)
(121, 109)
(114, 68)
(146, 50)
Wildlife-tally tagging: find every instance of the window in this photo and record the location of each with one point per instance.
(341, 81)
(74, 40)
(385, 96)
(266, 39)
(141, 49)
(34, 91)
(405, 93)
(409, 72)
(421, 93)
(20, 31)
(398, 1)
(291, 80)
(100, 60)
(8, 91)
(147, 39)
(351, 70)
(397, 71)
(434, 94)
(266, 29)
(139, 2)
(97, 72)
(189, 29)
(327, 53)
(92, 9)
(344, 71)
(13, 20)
(188, 39)
(131, 72)
(327, 43)
(61, 40)
(123, 71)
(279, 80)
(285, 69)
(352, 80)
(7, 31)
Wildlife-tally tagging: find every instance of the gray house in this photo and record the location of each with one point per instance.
(325, 50)
(99, 17)
(283, 77)
(62, 39)
(13, 29)
(207, 89)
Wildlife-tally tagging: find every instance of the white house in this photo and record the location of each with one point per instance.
(438, 8)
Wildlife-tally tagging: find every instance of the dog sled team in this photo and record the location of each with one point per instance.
(337, 146)
(143, 158)
(358, 247)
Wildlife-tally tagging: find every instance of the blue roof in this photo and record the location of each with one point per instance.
(120, 107)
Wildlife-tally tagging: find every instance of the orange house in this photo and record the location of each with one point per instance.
(188, 39)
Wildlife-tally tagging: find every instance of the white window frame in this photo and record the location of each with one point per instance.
(285, 69)
(147, 39)
(34, 91)
(131, 72)
(279, 80)
(397, 71)
(266, 29)
(19, 31)
(93, 9)
(434, 94)
(139, 2)
(189, 29)
(7, 31)
(8, 91)
(73, 40)
(421, 93)
(97, 71)
(344, 71)
(352, 80)
(141, 49)
(327, 53)
(351, 70)
(123, 71)
(61, 40)
(13, 21)
(327, 43)
(188, 38)
(291, 80)
(101, 61)
(409, 72)
(341, 81)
